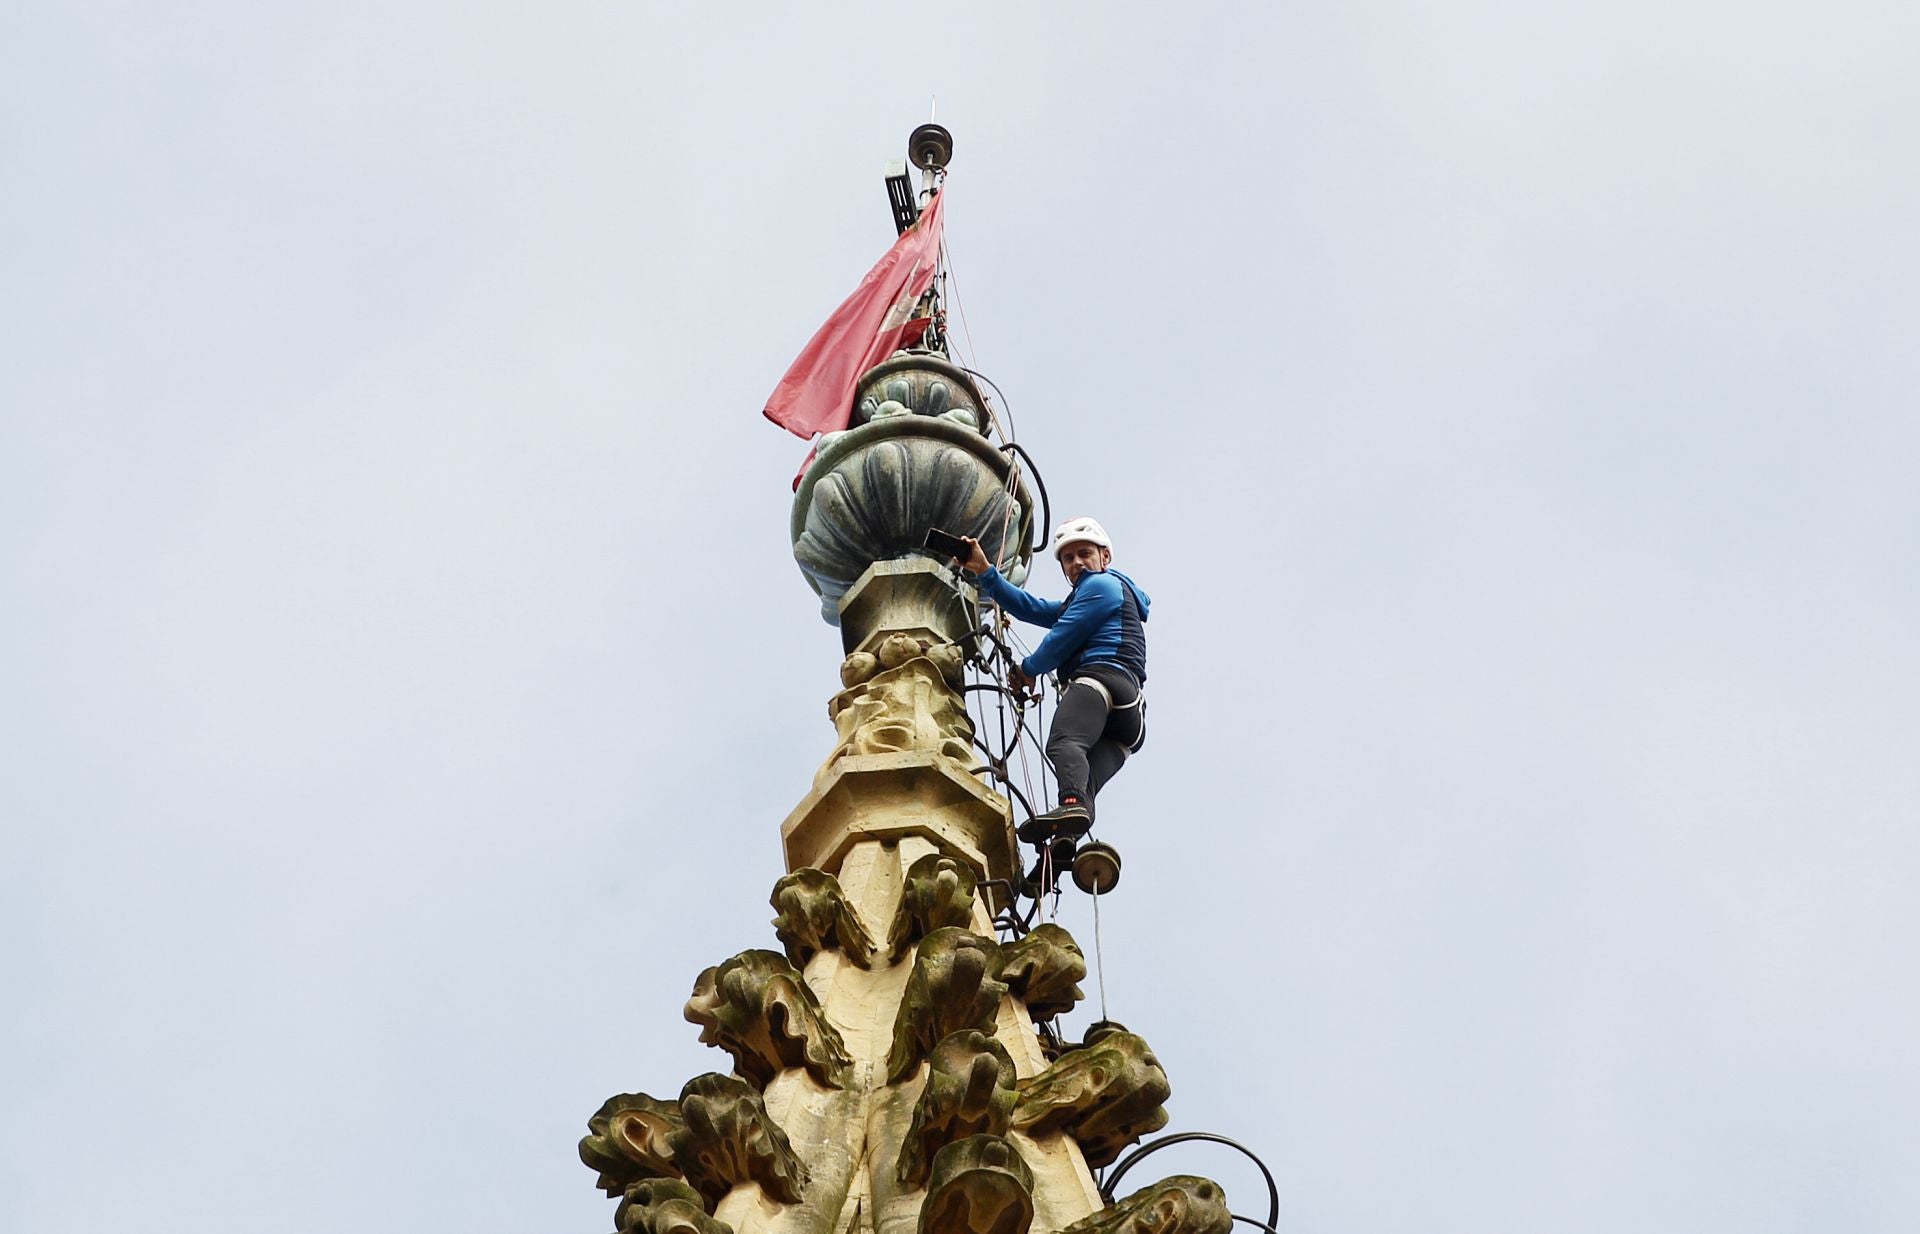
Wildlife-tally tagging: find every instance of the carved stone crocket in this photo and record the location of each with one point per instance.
(1043, 970)
(953, 986)
(756, 1008)
(969, 1091)
(1106, 1095)
(815, 916)
(665, 1206)
(727, 1138)
(979, 1186)
(1182, 1204)
(937, 891)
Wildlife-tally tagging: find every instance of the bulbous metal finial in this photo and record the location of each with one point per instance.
(930, 147)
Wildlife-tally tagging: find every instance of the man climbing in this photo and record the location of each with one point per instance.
(1098, 644)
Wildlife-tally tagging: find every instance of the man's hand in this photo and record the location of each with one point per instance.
(977, 563)
(1023, 685)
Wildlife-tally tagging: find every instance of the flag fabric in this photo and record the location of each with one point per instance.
(816, 395)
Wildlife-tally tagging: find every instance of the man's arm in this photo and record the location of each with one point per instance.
(1093, 602)
(1026, 607)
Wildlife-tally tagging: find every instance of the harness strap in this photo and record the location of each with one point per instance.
(1100, 687)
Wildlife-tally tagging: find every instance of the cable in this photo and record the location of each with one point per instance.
(1046, 503)
(1004, 400)
(1111, 1179)
(1099, 957)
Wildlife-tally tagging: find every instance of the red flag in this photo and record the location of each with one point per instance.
(816, 395)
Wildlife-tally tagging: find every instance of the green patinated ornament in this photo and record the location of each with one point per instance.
(873, 491)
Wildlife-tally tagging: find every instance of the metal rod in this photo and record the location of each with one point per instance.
(1257, 1224)
(1126, 1163)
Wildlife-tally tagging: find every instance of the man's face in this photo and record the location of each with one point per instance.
(1081, 557)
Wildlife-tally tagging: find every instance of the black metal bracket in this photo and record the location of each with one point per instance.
(1126, 1163)
(906, 211)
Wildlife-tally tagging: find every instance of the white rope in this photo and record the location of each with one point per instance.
(1099, 958)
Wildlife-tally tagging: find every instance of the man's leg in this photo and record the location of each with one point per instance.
(1078, 722)
(1106, 758)
(1124, 734)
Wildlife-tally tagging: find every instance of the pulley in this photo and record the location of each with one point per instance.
(1096, 868)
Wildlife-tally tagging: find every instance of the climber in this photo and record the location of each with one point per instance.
(1098, 646)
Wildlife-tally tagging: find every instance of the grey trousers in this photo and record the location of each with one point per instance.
(1100, 720)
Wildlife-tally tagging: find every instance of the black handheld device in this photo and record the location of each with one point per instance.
(948, 544)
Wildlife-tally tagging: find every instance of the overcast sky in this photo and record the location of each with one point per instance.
(403, 671)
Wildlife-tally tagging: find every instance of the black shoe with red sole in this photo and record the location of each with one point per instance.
(1069, 820)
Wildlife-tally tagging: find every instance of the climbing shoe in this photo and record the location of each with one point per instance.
(1056, 858)
(1070, 819)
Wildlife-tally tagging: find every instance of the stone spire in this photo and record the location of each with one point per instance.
(886, 1075)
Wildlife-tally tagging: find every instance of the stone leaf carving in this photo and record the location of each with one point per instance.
(1044, 969)
(898, 650)
(939, 892)
(1182, 1204)
(979, 1185)
(630, 1139)
(815, 915)
(756, 1008)
(665, 1206)
(953, 987)
(951, 660)
(1106, 1095)
(970, 1091)
(908, 707)
(727, 1138)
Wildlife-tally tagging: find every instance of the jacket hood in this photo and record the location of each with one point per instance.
(1139, 593)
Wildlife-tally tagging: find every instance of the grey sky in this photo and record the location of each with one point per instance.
(1508, 406)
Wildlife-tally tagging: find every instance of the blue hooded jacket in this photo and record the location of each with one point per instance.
(1093, 625)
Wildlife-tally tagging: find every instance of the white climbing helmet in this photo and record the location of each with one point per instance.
(1081, 530)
